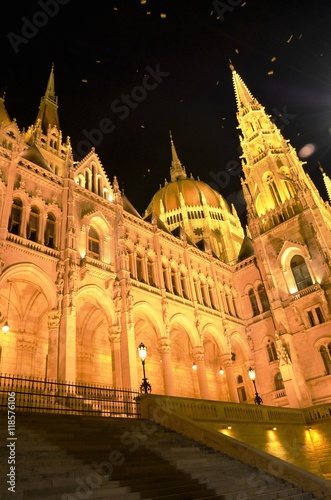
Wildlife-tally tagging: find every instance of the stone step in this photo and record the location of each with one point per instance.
(60, 458)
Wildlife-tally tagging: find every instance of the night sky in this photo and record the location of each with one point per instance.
(102, 51)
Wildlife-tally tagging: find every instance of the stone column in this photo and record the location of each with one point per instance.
(115, 345)
(290, 367)
(128, 342)
(168, 379)
(199, 359)
(232, 386)
(53, 337)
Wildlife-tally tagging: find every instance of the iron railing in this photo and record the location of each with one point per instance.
(50, 396)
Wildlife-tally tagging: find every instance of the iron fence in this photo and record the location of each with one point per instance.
(50, 396)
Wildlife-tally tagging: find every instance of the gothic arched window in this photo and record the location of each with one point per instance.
(325, 353)
(93, 244)
(15, 219)
(253, 301)
(263, 298)
(33, 225)
(241, 389)
(300, 272)
(279, 384)
(50, 231)
(273, 189)
(272, 352)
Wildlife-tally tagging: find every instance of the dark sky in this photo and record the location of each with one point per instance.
(102, 50)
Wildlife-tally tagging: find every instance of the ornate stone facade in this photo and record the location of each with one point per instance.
(84, 279)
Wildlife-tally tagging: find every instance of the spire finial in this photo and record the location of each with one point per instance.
(231, 65)
(177, 171)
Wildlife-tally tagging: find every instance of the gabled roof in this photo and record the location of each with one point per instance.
(159, 223)
(33, 155)
(128, 207)
(247, 249)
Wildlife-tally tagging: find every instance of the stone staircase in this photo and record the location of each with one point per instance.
(73, 457)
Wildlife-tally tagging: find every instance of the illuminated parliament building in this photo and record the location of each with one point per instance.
(84, 278)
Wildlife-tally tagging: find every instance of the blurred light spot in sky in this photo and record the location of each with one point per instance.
(307, 151)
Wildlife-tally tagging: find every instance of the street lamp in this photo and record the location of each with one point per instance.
(145, 386)
(5, 327)
(257, 399)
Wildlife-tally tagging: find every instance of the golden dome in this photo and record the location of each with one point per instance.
(188, 192)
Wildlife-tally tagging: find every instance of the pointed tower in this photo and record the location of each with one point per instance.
(276, 186)
(290, 227)
(48, 109)
(45, 134)
(177, 171)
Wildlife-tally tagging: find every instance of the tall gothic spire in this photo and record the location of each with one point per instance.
(177, 171)
(48, 114)
(273, 175)
(243, 96)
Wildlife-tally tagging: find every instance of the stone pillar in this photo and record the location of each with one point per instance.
(199, 359)
(85, 364)
(297, 392)
(232, 386)
(53, 337)
(115, 345)
(128, 342)
(168, 379)
(67, 347)
(26, 349)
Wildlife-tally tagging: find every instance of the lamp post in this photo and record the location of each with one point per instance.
(257, 399)
(5, 327)
(145, 386)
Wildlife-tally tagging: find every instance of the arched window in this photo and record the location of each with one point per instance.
(131, 262)
(33, 225)
(165, 272)
(212, 296)
(273, 190)
(150, 271)
(325, 353)
(300, 272)
(184, 285)
(241, 389)
(253, 301)
(15, 219)
(263, 298)
(99, 186)
(93, 244)
(140, 270)
(204, 293)
(50, 231)
(87, 180)
(272, 352)
(279, 384)
(197, 289)
(174, 282)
